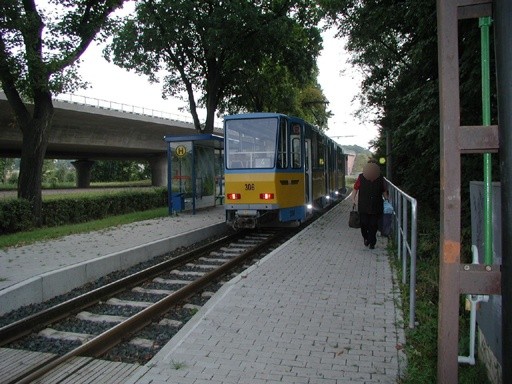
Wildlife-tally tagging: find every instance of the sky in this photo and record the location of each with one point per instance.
(339, 81)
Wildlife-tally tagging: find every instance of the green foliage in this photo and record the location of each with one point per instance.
(57, 172)
(116, 170)
(208, 186)
(62, 174)
(71, 210)
(276, 89)
(357, 149)
(39, 44)
(221, 50)
(359, 162)
(41, 234)
(6, 169)
(15, 213)
(394, 43)
(313, 106)
(178, 365)
(421, 345)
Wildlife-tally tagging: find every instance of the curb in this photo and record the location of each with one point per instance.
(50, 284)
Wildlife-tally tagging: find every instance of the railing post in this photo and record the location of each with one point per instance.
(399, 222)
(405, 239)
(412, 282)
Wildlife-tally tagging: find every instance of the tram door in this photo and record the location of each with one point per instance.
(308, 182)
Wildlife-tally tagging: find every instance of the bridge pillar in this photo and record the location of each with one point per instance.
(158, 167)
(83, 172)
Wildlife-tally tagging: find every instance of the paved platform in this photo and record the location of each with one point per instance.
(40, 271)
(320, 309)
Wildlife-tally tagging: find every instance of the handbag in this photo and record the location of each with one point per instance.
(353, 220)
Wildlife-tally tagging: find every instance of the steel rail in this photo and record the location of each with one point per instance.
(23, 327)
(112, 337)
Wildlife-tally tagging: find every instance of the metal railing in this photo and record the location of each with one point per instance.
(126, 108)
(120, 107)
(406, 235)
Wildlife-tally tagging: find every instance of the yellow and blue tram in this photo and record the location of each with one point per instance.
(278, 169)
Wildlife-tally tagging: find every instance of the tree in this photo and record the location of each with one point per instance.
(214, 48)
(276, 90)
(6, 167)
(313, 106)
(116, 170)
(39, 45)
(395, 45)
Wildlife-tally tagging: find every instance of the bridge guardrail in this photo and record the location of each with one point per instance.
(406, 235)
(121, 107)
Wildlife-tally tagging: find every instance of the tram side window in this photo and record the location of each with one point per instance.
(296, 152)
(282, 150)
(321, 153)
(314, 150)
(340, 160)
(296, 146)
(331, 157)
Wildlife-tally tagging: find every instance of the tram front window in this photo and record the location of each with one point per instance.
(251, 143)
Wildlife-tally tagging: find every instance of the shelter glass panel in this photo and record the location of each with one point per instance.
(206, 171)
(181, 181)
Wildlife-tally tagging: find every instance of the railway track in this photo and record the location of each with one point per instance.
(129, 320)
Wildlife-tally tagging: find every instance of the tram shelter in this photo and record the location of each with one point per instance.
(195, 177)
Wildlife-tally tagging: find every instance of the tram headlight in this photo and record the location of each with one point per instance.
(309, 206)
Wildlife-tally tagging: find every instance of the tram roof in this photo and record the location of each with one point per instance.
(259, 115)
(263, 115)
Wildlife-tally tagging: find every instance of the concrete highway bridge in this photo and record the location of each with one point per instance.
(88, 129)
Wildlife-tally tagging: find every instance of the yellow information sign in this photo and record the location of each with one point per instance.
(181, 150)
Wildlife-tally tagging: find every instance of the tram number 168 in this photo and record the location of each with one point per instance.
(250, 187)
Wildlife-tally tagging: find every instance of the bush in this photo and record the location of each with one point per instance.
(15, 214)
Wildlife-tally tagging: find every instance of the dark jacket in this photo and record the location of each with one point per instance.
(370, 195)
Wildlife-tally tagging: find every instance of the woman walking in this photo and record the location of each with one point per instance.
(370, 190)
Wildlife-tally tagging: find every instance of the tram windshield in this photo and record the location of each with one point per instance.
(251, 143)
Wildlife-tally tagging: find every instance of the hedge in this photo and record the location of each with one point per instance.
(15, 214)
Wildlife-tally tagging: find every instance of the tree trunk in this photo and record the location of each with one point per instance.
(214, 89)
(193, 109)
(210, 119)
(35, 141)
